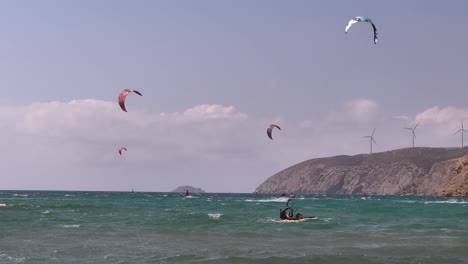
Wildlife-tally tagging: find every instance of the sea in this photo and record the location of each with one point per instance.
(144, 227)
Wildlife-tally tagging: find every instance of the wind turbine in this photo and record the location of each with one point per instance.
(412, 130)
(461, 130)
(371, 137)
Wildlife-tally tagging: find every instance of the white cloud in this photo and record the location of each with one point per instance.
(307, 123)
(91, 120)
(401, 117)
(205, 111)
(437, 115)
(362, 110)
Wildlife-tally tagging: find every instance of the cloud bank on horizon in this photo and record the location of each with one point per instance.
(79, 140)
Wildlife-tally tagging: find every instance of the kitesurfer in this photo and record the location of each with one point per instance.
(187, 193)
(286, 213)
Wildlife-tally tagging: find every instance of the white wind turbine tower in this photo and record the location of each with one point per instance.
(461, 130)
(412, 130)
(371, 137)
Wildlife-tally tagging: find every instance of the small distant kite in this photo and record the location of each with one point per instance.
(362, 19)
(120, 150)
(270, 129)
(123, 95)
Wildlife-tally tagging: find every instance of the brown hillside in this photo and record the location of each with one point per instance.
(411, 171)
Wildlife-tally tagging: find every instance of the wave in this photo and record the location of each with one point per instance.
(71, 226)
(2, 205)
(449, 201)
(215, 215)
(6, 257)
(277, 200)
(289, 221)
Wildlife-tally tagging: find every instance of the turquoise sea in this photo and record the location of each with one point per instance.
(118, 227)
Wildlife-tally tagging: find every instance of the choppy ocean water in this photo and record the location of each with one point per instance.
(111, 227)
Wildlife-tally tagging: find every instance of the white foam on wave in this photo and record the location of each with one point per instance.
(68, 195)
(407, 201)
(449, 201)
(215, 215)
(22, 195)
(5, 256)
(288, 221)
(2, 205)
(46, 212)
(277, 200)
(71, 226)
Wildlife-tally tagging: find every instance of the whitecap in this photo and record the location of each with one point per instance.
(288, 221)
(449, 201)
(215, 215)
(5, 256)
(71, 226)
(46, 212)
(277, 199)
(2, 205)
(68, 195)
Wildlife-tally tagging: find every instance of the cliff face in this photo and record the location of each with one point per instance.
(412, 171)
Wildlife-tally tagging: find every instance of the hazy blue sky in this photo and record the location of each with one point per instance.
(214, 75)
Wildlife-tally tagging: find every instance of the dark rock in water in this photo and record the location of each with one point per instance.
(189, 188)
(411, 171)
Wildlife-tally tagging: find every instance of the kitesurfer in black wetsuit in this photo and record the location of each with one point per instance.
(286, 213)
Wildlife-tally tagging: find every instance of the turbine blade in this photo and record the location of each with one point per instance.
(416, 126)
(373, 133)
(459, 131)
(408, 128)
(373, 140)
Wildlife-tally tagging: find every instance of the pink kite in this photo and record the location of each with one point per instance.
(120, 150)
(124, 94)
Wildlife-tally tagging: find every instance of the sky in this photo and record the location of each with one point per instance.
(214, 75)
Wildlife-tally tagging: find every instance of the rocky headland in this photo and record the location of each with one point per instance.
(410, 171)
